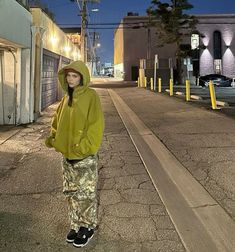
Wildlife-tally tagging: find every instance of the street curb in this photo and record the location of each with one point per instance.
(200, 221)
(195, 97)
(221, 103)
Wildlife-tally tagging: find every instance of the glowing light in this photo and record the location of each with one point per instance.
(228, 37)
(79, 56)
(194, 41)
(67, 48)
(206, 40)
(53, 39)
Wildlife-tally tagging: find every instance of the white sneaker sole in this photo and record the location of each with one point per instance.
(82, 245)
(69, 241)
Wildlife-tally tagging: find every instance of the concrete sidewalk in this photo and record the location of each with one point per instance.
(202, 140)
(33, 213)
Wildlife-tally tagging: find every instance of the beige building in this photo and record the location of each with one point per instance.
(16, 92)
(52, 49)
(32, 49)
(134, 41)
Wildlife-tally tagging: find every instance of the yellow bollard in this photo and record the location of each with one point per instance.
(171, 87)
(187, 90)
(145, 82)
(159, 85)
(212, 94)
(151, 84)
(138, 81)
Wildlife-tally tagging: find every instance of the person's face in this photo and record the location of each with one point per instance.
(73, 79)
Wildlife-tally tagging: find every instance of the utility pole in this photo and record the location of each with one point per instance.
(95, 45)
(83, 31)
(84, 21)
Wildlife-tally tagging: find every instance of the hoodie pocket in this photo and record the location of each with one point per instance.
(76, 142)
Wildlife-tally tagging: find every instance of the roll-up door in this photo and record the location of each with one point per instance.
(49, 79)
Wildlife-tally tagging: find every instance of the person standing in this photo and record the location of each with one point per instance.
(76, 132)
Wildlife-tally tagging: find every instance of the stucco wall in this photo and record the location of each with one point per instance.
(118, 44)
(226, 25)
(54, 39)
(15, 23)
(15, 41)
(136, 43)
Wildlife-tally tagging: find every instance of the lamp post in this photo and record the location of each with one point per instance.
(94, 46)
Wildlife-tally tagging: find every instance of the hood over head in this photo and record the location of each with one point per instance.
(76, 66)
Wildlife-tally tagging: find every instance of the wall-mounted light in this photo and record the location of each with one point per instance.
(67, 48)
(53, 40)
(227, 46)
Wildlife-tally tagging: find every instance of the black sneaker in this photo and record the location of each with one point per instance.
(83, 237)
(71, 236)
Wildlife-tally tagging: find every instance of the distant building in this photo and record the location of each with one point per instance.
(139, 42)
(74, 34)
(107, 69)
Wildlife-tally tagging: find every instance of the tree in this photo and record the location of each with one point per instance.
(173, 26)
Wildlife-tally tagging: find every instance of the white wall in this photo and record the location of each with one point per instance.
(15, 33)
(15, 23)
(26, 100)
(225, 23)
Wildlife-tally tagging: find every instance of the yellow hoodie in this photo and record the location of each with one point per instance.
(77, 131)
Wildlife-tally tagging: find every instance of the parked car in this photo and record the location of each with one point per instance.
(218, 80)
(109, 74)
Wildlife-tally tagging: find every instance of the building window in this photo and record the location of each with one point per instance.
(194, 41)
(218, 66)
(217, 45)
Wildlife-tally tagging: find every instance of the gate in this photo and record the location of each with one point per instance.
(49, 91)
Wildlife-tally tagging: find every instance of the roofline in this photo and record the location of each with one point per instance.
(217, 15)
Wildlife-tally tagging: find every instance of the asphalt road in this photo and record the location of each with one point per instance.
(33, 212)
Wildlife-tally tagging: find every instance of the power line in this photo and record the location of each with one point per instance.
(112, 28)
(140, 22)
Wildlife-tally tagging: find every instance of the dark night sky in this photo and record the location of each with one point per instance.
(112, 11)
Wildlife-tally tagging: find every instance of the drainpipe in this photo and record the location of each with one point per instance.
(1, 69)
(15, 87)
(32, 73)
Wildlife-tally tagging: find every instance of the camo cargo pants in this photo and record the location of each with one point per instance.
(80, 189)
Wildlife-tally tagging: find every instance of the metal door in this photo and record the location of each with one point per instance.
(49, 91)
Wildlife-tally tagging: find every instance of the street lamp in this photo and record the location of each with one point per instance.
(95, 45)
